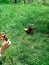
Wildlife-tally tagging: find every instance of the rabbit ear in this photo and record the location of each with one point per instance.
(5, 38)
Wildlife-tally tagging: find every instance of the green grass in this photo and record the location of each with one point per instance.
(26, 49)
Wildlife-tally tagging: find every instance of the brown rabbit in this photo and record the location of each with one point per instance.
(30, 29)
(6, 44)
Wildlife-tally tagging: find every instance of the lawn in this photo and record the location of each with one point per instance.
(26, 49)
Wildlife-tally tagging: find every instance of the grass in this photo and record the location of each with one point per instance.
(26, 49)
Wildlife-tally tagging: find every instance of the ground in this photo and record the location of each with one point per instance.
(26, 49)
